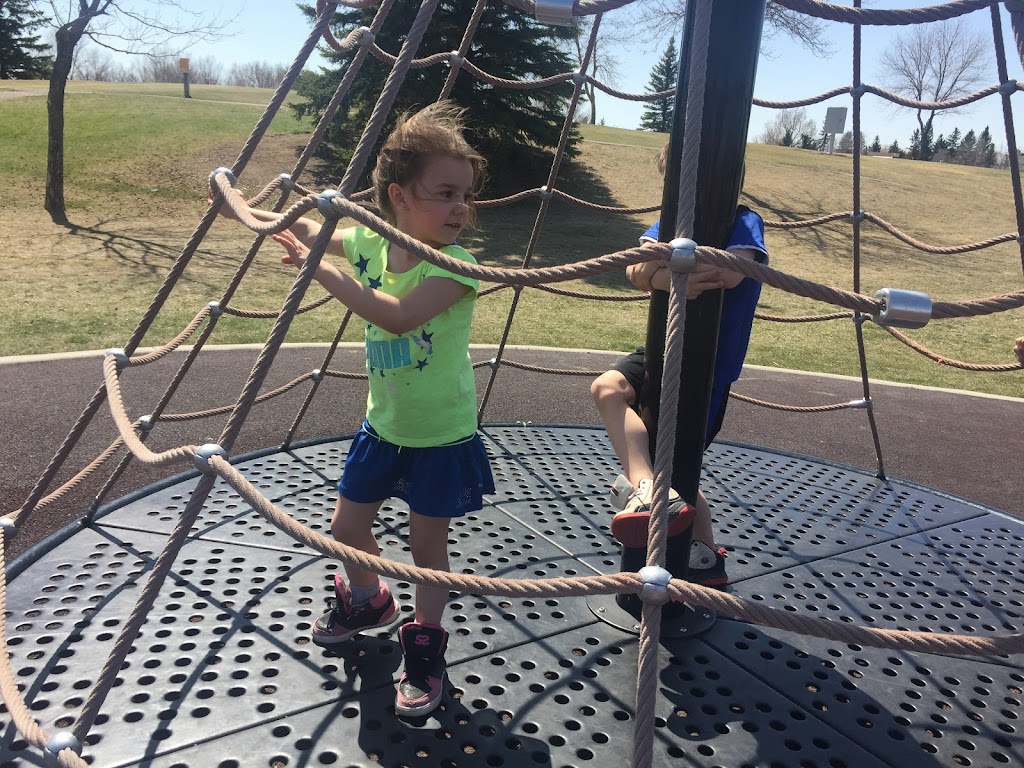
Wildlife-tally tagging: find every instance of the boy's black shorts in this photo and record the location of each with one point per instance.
(632, 368)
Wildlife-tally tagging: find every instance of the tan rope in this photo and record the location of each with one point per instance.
(802, 318)
(791, 408)
(950, 362)
(80, 477)
(619, 583)
(126, 428)
(878, 17)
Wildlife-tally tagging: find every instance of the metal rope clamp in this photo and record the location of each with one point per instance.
(655, 588)
(58, 743)
(122, 359)
(232, 179)
(556, 12)
(204, 454)
(903, 309)
(684, 255)
(323, 203)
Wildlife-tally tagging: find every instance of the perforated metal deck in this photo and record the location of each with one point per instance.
(224, 673)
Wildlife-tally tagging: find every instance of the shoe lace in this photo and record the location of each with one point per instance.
(337, 613)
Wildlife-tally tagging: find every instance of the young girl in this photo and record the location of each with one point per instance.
(419, 440)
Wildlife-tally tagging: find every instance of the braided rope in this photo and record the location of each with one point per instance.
(952, 363)
(878, 17)
(791, 408)
(619, 583)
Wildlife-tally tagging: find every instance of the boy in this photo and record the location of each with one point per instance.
(618, 391)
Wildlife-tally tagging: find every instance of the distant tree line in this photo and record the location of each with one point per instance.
(793, 128)
(162, 67)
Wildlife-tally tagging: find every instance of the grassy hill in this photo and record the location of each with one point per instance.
(138, 156)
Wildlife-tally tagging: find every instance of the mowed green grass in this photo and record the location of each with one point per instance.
(138, 157)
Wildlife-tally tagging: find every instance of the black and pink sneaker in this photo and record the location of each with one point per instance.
(345, 620)
(419, 689)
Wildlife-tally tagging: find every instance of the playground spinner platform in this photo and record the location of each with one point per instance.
(224, 673)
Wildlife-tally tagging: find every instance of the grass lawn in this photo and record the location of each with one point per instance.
(138, 156)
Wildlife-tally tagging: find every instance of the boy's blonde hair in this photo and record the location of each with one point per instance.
(434, 130)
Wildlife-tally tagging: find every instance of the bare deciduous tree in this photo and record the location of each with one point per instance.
(793, 122)
(662, 17)
(159, 67)
(205, 70)
(124, 26)
(92, 63)
(603, 65)
(256, 74)
(935, 62)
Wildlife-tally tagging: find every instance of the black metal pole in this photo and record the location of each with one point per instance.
(728, 95)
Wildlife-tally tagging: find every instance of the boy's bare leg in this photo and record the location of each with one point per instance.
(626, 430)
(702, 530)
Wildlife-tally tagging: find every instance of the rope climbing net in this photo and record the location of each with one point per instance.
(345, 202)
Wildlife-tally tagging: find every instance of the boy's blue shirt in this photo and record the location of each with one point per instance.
(739, 303)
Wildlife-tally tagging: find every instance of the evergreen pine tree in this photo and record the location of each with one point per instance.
(915, 143)
(823, 140)
(894, 149)
(787, 138)
(966, 153)
(953, 142)
(876, 145)
(22, 55)
(509, 127)
(986, 149)
(807, 141)
(657, 115)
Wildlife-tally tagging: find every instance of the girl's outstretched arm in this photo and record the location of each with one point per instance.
(395, 315)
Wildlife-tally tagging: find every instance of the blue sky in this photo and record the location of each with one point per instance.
(273, 31)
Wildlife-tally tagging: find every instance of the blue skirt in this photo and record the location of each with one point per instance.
(443, 481)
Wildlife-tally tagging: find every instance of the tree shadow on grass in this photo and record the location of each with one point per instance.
(569, 233)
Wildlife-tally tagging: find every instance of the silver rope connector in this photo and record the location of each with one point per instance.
(323, 203)
(58, 742)
(1008, 88)
(493, 364)
(145, 423)
(317, 376)
(545, 193)
(684, 255)
(579, 78)
(215, 309)
(232, 179)
(555, 12)
(8, 528)
(655, 588)
(455, 59)
(859, 404)
(857, 217)
(903, 309)
(366, 36)
(119, 357)
(286, 181)
(204, 454)
(858, 90)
